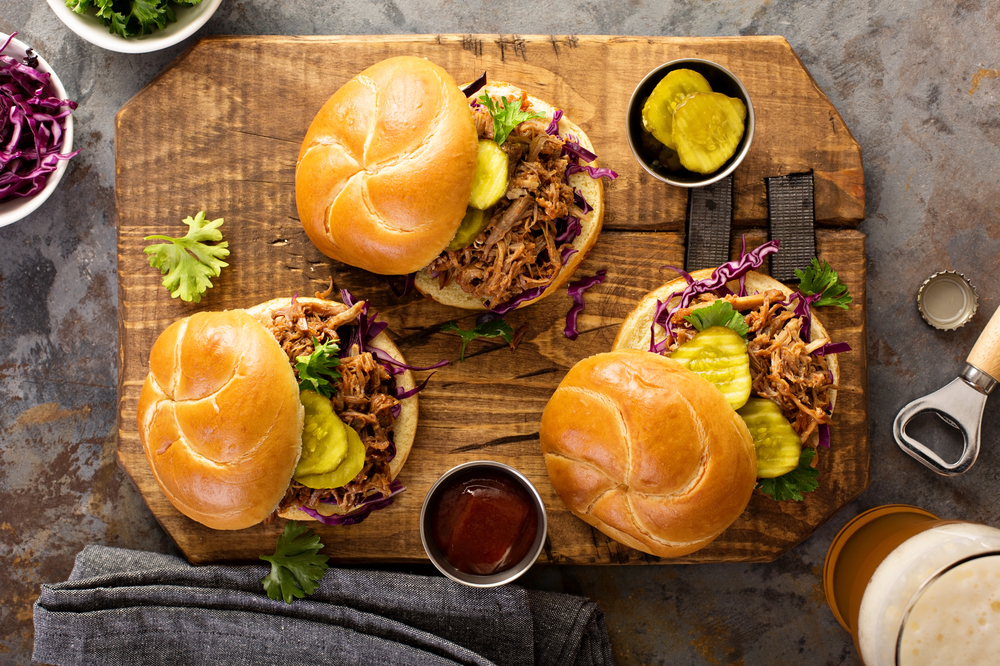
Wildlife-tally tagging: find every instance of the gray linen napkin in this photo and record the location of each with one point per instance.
(128, 607)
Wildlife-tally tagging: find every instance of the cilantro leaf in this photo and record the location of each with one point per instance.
(719, 313)
(791, 485)
(78, 6)
(823, 280)
(150, 14)
(490, 328)
(321, 362)
(188, 263)
(506, 116)
(296, 566)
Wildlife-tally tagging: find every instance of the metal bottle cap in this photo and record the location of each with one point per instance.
(947, 300)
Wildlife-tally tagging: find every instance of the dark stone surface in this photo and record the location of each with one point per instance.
(915, 81)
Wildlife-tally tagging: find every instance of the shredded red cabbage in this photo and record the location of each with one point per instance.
(512, 304)
(475, 86)
(408, 283)
(567, 252)
(832, 348)
(581, 202)
(31, 127)
(553, 128)
(572, 230)
(373, 503)
(824, 435)
(595, 172)
(716, 283)
(575, 290)
(743, 278)
(403, 395)
(579, 152)
(802, 305)
(680, 271)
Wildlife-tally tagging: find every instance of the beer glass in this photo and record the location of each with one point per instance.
(913, 589)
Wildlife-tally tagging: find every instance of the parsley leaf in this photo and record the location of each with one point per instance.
(322, 361)
(821, 279)
(488, 328)
(719, 313)
(296, 566)
(188, 262)
(506, 116)
(791, 485)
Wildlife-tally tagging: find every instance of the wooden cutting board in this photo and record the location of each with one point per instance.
(219, 130)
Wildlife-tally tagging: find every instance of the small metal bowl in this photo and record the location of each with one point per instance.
(493, 580)
(722, 81)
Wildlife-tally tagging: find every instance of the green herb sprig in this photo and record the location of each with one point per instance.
(719, 313)
(823, 280)
(492, 328)
(791, 485)
(189, 262)
(296, 566)
(141, 18)
(506, 116)
(317, 370)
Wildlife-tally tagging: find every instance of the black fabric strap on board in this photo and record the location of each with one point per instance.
(791, 216)
(709, 221)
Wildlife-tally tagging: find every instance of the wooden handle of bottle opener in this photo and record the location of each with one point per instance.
(985, 354)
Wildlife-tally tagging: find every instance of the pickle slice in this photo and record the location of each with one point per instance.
(473, 223)
(778, 447)
(719, 354)
(707, 130)
(490, 181)
(324, 440)
(658, 111)
(346, 471)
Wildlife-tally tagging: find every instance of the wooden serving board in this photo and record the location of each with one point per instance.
(219, 130)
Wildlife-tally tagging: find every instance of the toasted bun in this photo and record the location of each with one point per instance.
(634, 332)
(220, 419)
(385, 170)
(592, 190)
(648, 452)
(405, 428)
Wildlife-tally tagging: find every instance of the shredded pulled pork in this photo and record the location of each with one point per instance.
(517, 251)
(782, 366)
(363, 400)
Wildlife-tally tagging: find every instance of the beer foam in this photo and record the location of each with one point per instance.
(956, 620)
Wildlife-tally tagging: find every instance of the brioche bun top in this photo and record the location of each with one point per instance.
(220, 419)
(385, 170)
(648, 452)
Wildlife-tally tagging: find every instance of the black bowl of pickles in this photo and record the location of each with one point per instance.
(690, 122)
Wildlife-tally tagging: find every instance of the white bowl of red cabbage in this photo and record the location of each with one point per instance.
(36, 130)
(128, 26)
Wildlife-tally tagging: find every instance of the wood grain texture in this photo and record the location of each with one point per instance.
(220, 129)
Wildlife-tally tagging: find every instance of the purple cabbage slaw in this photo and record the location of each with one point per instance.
(408, 284)
(373, 503)
(31, 128)
(575, 291)
(475, 86)
(716, 283)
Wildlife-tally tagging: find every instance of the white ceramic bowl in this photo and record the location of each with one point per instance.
(15, 209)
(189, 19)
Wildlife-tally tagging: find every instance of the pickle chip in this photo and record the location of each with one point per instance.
(473, 223)
(658, 111)
(324, 440)
(346, 471)
(707, 129)
(778, 447)
(490, 181)
(719, 354)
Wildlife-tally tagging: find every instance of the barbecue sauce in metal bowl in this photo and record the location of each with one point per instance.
(483, 521)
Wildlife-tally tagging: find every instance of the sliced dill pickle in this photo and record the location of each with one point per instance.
(778, 447)
(324, 440)
(658, 111)
(719, 355)
(707, 130)
(741, 108)
(490, 181)
(346, 471)
(473, 223)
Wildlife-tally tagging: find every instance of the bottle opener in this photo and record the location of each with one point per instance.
(960, 404)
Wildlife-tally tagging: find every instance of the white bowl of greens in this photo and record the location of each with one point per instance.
(128, 27)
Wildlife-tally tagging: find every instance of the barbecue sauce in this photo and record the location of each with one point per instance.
(484, 522)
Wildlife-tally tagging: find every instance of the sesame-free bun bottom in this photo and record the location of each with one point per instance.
(648, 452)
(592, 190)
(220, 419)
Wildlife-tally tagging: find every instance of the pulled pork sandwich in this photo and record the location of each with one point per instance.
(486, 196)
(781, 373)
(300, 408)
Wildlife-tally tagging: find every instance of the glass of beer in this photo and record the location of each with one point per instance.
(913, 589)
